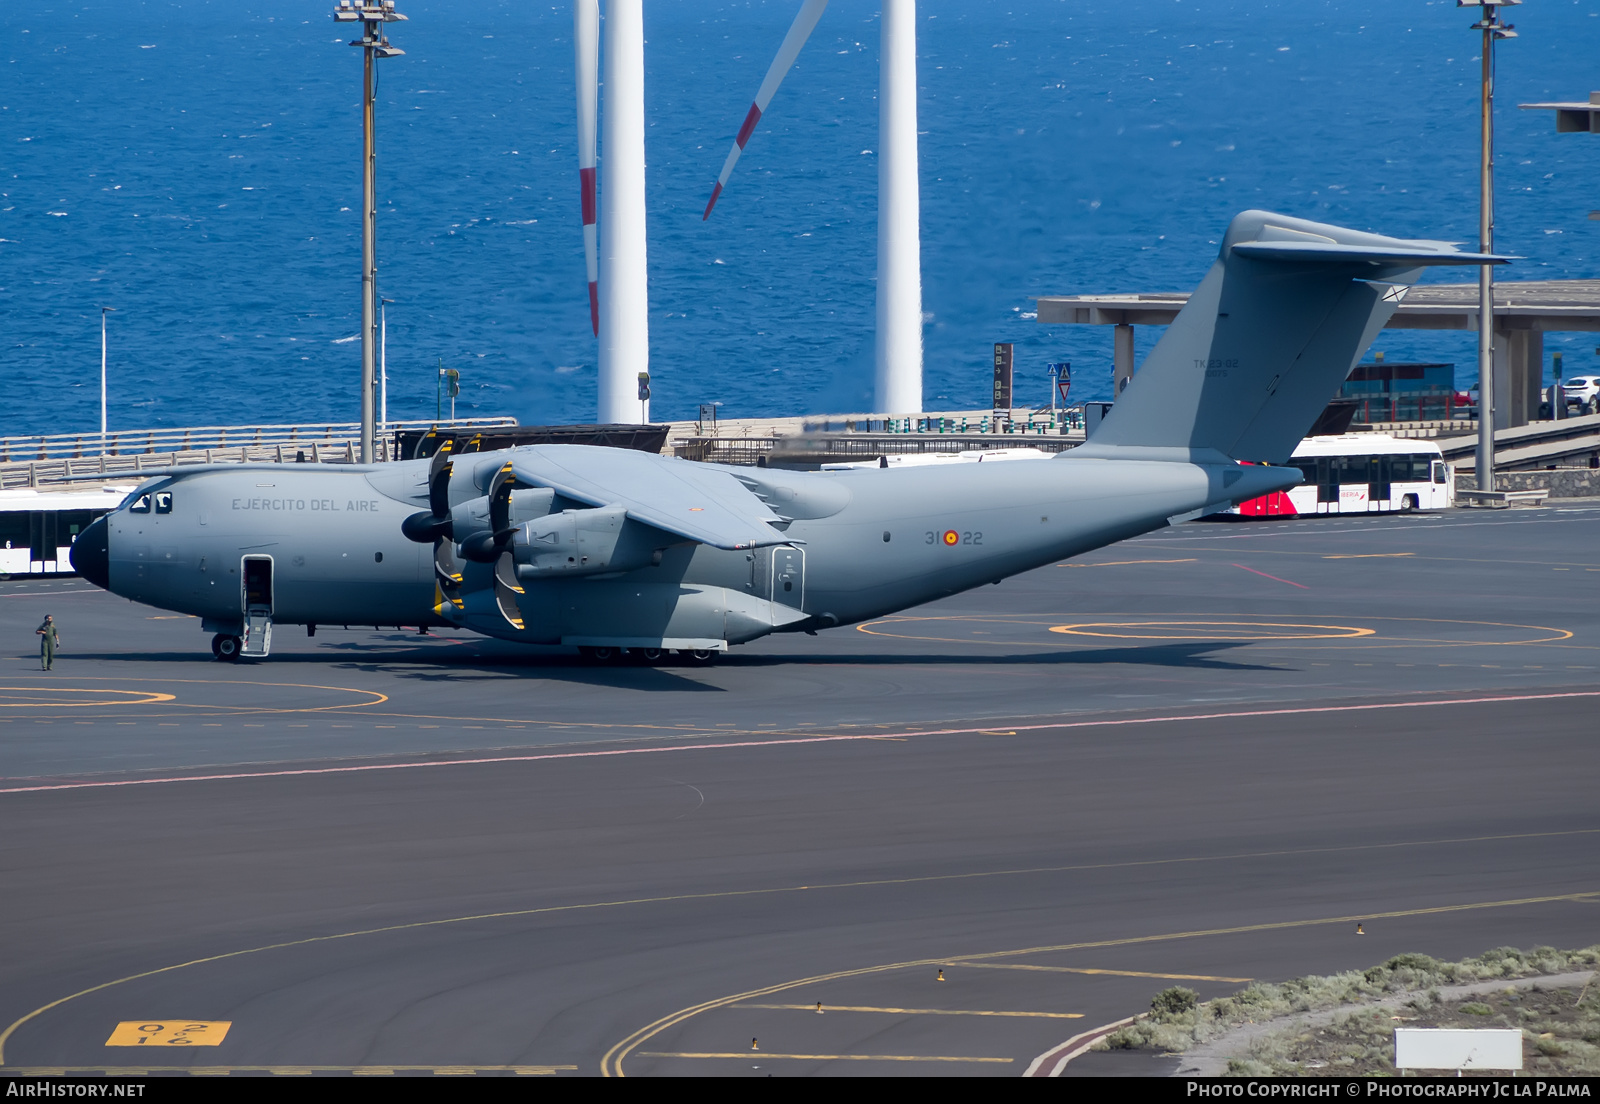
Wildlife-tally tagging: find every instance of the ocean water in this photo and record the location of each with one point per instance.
(195, 164)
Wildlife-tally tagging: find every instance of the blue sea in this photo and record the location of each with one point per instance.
(195, 164)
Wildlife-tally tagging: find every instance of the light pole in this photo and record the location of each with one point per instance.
(1571, 118)
(383, 366)
(103, 312)
(1493, 30)
(372, 15)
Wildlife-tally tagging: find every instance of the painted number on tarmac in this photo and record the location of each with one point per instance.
(169, 1033)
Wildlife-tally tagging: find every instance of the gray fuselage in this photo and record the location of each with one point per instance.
(864, 543)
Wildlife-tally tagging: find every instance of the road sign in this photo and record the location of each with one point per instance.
(1002, 375)
(1444, 1048)
(1062, 375)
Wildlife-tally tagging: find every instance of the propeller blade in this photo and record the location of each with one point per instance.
(506, 590)
(586, 39)
(439, 481)
(447, 574)
(799, 31)
(500, 500)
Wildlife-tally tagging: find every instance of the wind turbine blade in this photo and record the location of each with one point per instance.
(799, 31)
(586, 40)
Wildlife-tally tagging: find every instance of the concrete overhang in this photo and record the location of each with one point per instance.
(1553, 306)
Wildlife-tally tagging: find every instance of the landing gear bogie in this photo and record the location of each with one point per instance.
(226, 647)
(647, 657)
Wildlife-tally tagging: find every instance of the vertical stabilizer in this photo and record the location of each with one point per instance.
(1265, 340)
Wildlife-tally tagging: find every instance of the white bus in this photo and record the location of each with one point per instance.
(1361, 473)
(37, 528)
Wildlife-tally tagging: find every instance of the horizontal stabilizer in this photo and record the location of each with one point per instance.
(1364, 254)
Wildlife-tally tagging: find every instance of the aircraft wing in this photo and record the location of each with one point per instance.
(694, 501)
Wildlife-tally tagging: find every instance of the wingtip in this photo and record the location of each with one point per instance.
(712, 202)
(594, 308)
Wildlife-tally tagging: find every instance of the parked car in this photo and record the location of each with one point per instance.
(1582, 392)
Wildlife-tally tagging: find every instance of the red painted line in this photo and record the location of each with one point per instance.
(750, 121)
(586, 184)
(712, 202)
(1274, 578)
(1112, 723)
(594, 307)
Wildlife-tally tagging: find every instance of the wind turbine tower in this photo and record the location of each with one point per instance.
(619, 299)
(898, 358)
(898, 353)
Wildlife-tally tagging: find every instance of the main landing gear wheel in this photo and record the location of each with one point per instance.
(600, 654)
(700, 657)
(226, 648)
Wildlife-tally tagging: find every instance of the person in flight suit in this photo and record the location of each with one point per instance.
(48, 639)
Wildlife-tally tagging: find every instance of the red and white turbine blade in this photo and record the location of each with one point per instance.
(586, 39)
(799, 31)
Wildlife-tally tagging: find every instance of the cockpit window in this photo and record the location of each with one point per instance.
(140, 505)
(163, 502)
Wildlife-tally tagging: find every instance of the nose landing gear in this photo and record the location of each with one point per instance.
(226, 648)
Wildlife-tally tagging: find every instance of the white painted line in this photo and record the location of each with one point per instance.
(1054, 1060)
(1110, 723)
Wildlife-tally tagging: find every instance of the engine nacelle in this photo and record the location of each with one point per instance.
(585, 542)
(472, 523)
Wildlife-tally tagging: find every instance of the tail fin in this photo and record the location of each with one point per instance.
(1265, 340)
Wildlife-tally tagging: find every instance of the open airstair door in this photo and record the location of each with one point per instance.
(257, 583)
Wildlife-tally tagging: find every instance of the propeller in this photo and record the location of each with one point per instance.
(433, 524)
(586, 39)
(799, 31)
(506, 586)
(482, 544)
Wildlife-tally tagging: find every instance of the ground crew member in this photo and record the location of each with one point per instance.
(48, 639)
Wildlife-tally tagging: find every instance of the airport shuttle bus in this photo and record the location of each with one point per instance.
(37, 528)
(1361, 473)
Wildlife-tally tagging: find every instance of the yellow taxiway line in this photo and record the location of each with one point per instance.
(914, 1011)
(822, 1057)
(281, 1071)
(1083, 970)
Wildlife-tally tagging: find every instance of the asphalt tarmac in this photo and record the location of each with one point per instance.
(1195, 758)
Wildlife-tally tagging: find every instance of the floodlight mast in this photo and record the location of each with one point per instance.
(372, 15)
(1493, 30)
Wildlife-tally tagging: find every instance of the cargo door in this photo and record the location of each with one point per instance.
(789, 576)
(256, 581)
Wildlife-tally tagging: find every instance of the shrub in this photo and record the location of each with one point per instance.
(1174, 1002)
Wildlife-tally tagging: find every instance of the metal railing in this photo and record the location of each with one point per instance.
(30, 461)
(59, 446)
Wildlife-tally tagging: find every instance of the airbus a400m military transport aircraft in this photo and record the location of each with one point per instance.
(610, 550)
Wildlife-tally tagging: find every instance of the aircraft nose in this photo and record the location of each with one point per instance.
(91, 554)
